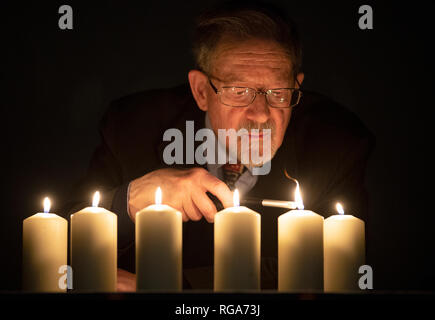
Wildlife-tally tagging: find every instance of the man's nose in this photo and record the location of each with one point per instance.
(258, 110)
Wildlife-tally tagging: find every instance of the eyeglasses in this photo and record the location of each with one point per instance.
(244, 96)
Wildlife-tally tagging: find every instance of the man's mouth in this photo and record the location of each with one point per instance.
(258, 135)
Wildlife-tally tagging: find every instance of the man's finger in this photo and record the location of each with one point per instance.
(191, 210)
(217, 188)
(185, 217)
(180, 208)
(205, 205)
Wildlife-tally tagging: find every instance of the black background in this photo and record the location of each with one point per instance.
(56, 85)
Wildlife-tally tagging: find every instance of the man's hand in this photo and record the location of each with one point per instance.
(126, 281)
(182, 189)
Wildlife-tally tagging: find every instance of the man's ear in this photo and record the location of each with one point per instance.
(300, 77)
(198, 84)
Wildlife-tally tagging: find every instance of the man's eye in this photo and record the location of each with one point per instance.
(239, 91)
(277, 93)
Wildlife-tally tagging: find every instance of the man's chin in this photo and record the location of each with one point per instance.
(251, 164)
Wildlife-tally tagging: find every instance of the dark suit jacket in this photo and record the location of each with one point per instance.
(326, 148)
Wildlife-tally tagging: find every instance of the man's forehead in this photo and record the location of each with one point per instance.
(247, 70)
(235, 59)
(247, 74)
(255, 55)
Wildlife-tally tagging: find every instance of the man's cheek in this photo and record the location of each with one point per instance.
(225, 120)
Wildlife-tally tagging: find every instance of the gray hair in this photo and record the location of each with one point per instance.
(232, 23)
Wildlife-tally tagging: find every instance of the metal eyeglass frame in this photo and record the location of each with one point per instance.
(265, 93)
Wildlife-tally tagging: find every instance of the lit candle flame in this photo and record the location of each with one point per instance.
(339, 208)
(236, 198)
(47, 205)
(298, 197)
(158, 197)
(96, 199)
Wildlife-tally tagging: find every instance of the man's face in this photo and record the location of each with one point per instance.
(257, 64)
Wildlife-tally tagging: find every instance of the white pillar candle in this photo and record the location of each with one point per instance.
(344, 252)
(237, 247)
(94, 248)
(45, 245)
(300, 249)
(159, 240)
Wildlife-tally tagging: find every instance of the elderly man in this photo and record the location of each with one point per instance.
(248, 76)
